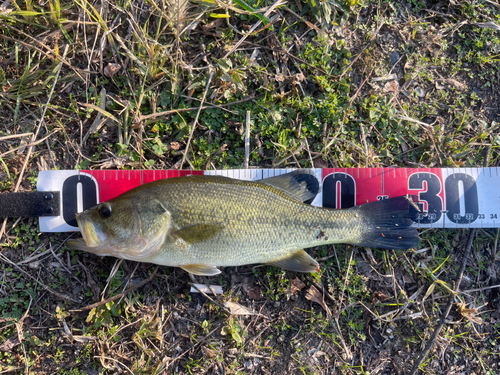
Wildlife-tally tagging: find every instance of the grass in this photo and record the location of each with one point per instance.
(129, 78)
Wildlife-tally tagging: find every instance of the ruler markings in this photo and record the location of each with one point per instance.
(383, 181)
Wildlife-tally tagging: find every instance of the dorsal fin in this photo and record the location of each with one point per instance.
(301, 186)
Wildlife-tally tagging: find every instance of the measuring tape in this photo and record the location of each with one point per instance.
(448, 197)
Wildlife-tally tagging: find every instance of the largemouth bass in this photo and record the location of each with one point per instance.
(200, 223)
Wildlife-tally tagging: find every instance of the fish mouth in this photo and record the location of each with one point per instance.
(92, 234)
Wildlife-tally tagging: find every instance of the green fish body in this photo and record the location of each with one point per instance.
(200, 223)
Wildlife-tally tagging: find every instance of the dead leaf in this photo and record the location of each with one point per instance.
(299, 77)
(320, 163)
(297, 286)
(237, 309)
(8, 345)
(315, 295)
(439, 86)
(458, 85)
(111, 69)
(385, 78)
(175, 146)
(209, 353)
(251, 290)
(84, 339)
(470, 314)
(391, 86)
(280, 78)
(379, 296)
(66, 329)
(212, 25)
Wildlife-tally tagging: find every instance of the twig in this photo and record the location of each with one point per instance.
(348, 353)
(14, 136)
(346, 277)
(333, 139)
(247, 140)
(356, 94)
(309, 153)
(298, 150)
(196, 119)
(118, 296)
(437, 330)
(439, 13)
(19, 329)
(208, 103)
(311, 26)
(180, 110)
(363, 139)
(254, 27)
(29, 145)
(480, 289)
(406, 118)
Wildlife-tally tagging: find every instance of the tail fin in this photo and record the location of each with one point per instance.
(388, 223)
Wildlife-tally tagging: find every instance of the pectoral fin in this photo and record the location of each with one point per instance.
(201, 269)
(299, 261)
(197, 233)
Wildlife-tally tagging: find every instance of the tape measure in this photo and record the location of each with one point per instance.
(448, 197)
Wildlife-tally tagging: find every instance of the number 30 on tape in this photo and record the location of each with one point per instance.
(448, 197)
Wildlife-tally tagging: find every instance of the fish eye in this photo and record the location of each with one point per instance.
(105, 211)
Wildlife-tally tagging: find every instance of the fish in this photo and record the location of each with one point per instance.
(201, 223)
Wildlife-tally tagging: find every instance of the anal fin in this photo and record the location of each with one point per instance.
(299, 261)
(201, 269)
